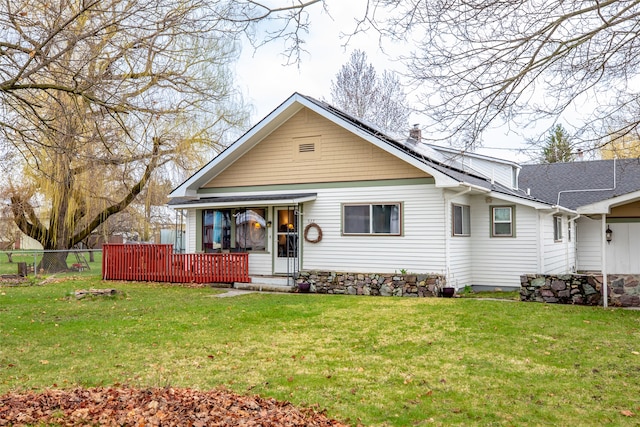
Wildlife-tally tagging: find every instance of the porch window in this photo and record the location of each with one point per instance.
(371, 219)
(502, 221)
(557, 228)
(461, 220)
(216, 230)
(251, 229)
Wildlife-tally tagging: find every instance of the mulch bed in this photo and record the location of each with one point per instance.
(125, 406)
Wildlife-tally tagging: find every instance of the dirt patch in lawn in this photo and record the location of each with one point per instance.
(152, 407)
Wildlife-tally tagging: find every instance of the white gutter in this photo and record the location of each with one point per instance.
(475, 187)
(555, 210)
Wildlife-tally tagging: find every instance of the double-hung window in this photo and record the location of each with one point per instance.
(378, 219)
(502, 223)
(461, 220)
(557, 228)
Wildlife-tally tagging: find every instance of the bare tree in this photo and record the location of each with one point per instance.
(359, 91)
(479, 61)
(97, 97)
(8, 232)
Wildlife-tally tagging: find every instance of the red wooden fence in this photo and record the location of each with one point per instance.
(158, 263)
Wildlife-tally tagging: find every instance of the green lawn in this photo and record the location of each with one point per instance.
(32, 258)
(370, 360)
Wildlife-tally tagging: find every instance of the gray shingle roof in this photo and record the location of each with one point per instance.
(547, 181)
(456, 171)
(458, 174)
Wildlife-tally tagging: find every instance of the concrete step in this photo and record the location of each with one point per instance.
(267, 284)
(263, 287)
(273, 280)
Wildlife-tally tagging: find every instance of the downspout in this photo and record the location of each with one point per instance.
(574, 242)
(605, 293)
(447, 218)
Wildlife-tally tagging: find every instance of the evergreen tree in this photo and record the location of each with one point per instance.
(558, 148)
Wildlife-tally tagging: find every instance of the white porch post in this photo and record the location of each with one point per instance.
(605, 292)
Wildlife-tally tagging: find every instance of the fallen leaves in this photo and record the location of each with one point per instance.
(153, 407)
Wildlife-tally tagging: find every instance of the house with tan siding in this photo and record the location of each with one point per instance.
(310, 188)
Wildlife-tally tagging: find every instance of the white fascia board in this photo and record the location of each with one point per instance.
(604, 206)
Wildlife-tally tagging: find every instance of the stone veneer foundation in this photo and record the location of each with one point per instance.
(378, 284)
(583, 289)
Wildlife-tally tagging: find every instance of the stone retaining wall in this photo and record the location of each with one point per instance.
(560, 289)
(583, 289)
(624, 290)
(380, 284)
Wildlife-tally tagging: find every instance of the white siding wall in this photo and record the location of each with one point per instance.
(558, 256)
(500, 172)
(460, 265)
(589, 244)
(623, 253)
(190, 234)
(499, 261)
(260, 264)
(419, 250)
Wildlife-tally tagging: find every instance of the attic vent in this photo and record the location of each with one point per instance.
(307, 148)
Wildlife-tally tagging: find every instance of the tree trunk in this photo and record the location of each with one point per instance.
(91, 256)
(54, 262)
(10, 257)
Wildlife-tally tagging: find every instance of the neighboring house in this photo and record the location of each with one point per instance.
(606, 196)
(312, 188)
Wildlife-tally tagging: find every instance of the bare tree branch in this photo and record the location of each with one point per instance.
(513, 60)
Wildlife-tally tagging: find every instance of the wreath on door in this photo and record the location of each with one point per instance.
(318, 231)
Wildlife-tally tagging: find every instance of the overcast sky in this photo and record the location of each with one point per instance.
(266, 82)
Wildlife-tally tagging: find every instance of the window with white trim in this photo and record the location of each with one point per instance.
(557, 228)
(379, 219)
(461, 220)
(502, 224)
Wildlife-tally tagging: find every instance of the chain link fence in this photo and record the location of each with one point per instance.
(29, 261)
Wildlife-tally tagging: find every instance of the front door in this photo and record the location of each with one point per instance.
(286, 241)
